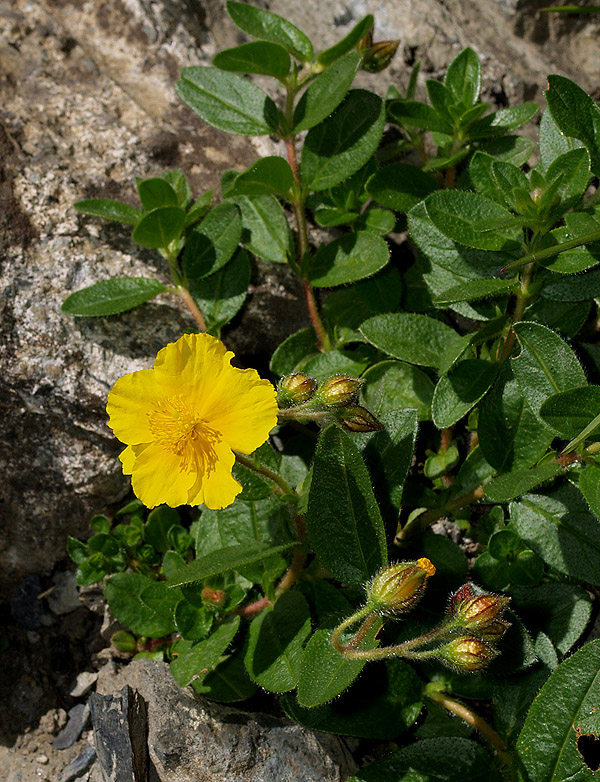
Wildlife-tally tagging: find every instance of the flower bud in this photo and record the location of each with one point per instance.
(494, 631)
(295, 389)
(464, 593)
(214, 596)
(338, 390)
(467, 654)
(478, 611)
(397, 588)
(379, 56)
(355, 418)
(124, 642)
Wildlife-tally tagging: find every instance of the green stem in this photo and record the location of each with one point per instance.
(187, 298)
(283, 487)
(363, 612)
(523, 299)
(549, 252)
(475, 721)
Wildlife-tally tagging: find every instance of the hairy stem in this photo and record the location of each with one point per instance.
(523, 299)
(187, 298)
(283, 487)
(475, 721)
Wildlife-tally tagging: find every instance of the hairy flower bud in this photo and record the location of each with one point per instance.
(494, 631)
(295, 389)
(379, 56)
(338, 390)
(397, 588)
(355, 418)
(467, 654)
(478, 611)
(214, 596)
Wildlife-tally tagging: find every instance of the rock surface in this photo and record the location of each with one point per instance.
(194, 740)
(87, 104)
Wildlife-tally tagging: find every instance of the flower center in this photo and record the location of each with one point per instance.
(178, 428)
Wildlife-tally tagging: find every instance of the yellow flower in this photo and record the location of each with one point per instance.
(183, 419)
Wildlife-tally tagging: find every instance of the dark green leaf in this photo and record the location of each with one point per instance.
(192, 623)
(227, 683)
(292, 350)
(158, 228)
(270, 27)
(410, 337)
(325, 94)
(458, 391)
(418, 115)
(227, 101)
(569, 412)
(343, 362)
(276, 643)
(109, 210)
(156, 192)
(344, 142)
(160, 521)
(510, 436)
(547, 747)
(162, 600)
(560, 528)
(324, 673)
(177, 180)
(327, 56)
(123, 592)
(512, 697)
(197, 659)
(77, 550)
(348, 258)
(224, 560)
(552, 141)
(343, 520)
(400, 186)
(512, 149)
(545, 366)
(432, 760)
(476, 289)
(518, 482)
(471, 219)
(269, 59)
(589, 485)
(220, 295)
(211, 244)
(393, 385)
(503, 121)
(265, 228)
(372, 709)
(110, 297)
(267, 175)
(580, 287)
(574, 168)
(571, 108)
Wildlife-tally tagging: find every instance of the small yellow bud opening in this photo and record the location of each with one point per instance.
(426, 565)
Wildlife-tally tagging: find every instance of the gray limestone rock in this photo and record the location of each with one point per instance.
(194, 740)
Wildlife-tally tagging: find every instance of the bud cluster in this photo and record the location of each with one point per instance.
(334, 399)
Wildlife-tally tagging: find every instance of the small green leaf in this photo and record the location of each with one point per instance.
(109, 297)
(463, 78)
(344, 142)
(589, 485)
(324, 673)
(267, 175)
(227, 683)
(400, 186)
(220, 295)
(269, 59)
(574, 168)
(327, 56)
(418, 115)
(77, 550)
(512, 149)
(227, 101)
(197, 659)
(343, 520)
(224, 560)
(292, 350)
(109, 210)
(471, 219)
(503, 121)
(518, 482)
(158, 228)
(476, 289)
(393, 385)
(160, 520)
(571, 108)
(410, 337)
(156, 192)
(569, 412)
(547, 747)
(580, 287)
(265, 229)
(123, 592)
(276, 643)
(348, 258)
(560, 528)
(545, 366)
(270, 27)
(458, 391)
(552, 141)
(212, 243)
(162, 600)
(326, 93)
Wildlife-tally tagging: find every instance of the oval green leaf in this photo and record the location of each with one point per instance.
(348, 258)
(109, 297)
(263, 57)
(160, 227)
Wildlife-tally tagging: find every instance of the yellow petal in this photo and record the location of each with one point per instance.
(217, 488)
(245, 411)
(128, 404)
(127, 459)
(157, 477)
